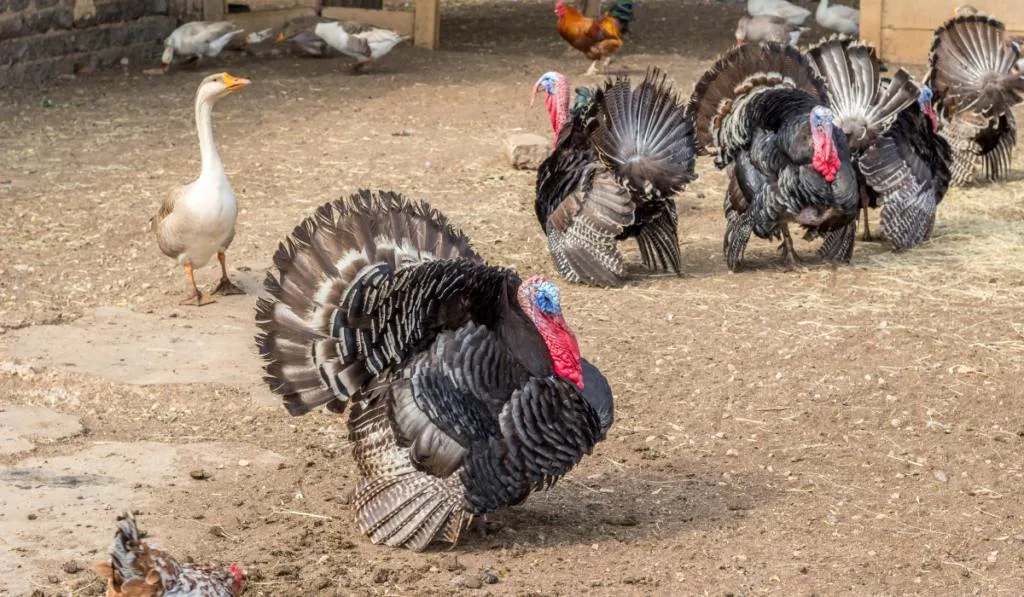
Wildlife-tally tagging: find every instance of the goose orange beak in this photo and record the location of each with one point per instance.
(235, 83)
(280, 37)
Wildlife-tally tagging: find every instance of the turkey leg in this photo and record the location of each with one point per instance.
(195, 297)
(788, 252)
(225, 287)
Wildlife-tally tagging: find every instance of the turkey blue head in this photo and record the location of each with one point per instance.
(826, 158)
(924, 99)
(556, 98)
(539, 299)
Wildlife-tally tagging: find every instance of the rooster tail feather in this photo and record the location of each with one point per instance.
(645, 134)
(324, 267)
(622, 11)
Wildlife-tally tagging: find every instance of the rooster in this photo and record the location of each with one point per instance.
(597, 39)
(137, 570)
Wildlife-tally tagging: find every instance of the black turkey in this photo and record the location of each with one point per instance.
(976, 86)
(910, 165)
(884, 138)
(466, 385)
(620, 156)
(763, 111)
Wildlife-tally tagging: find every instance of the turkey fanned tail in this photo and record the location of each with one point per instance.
(862, 108)
(645, 135)
(976, 85)
(319, 351)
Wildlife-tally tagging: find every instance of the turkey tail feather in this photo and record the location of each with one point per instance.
(742, 72)
(645, 134)
(396, 504)
(659, 241)
(972, 63)
(852, 73)
(326, 267)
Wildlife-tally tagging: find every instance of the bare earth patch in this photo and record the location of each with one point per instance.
(847, 431)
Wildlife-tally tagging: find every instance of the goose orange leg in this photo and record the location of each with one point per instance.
(195, 297)
(225, 287)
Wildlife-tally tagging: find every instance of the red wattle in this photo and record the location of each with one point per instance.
(564, 350)
(826, 160)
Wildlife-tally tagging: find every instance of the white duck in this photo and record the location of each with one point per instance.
(198, 39)
(837, 17)
(778, 8)
(362, 42)
(198, 220)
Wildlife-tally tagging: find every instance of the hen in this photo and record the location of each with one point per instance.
(596, 39)
(617, 163)
(467, 387)
(976, 86)
(763, 110)
(898, 162)
(138, 570)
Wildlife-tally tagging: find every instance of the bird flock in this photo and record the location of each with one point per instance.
(464, 384)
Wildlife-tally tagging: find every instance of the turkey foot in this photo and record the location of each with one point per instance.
(195, 297)
(788, 252)
(225, 287)
(483, 527)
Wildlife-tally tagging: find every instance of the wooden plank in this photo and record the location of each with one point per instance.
(400, 22)
(428, 24)
(255, 21)
(902, 47)
(261, 5)
(213, 10)
(871, 22)
(929, 14)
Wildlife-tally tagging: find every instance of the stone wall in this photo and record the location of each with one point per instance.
(43, 39)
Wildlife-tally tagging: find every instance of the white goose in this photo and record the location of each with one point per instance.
(837, 17)
(198, 220)
(778, 8)
(198, 39)
(362, 42)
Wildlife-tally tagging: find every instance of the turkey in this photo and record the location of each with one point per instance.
(913, 160)
(620, 156)
(976, 86)
(889, 169)
(137, 570)
(466, 385)
(763, 111)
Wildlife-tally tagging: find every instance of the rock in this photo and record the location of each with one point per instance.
(526, 151)
(471, 582)
(71, 567)
(489, 577)
(199, 474)
(381, 576)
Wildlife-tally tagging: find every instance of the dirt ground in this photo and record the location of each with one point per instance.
(832, 431)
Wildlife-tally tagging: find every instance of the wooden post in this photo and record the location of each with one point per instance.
(592, 9)
(213, 10)
(427, 26)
